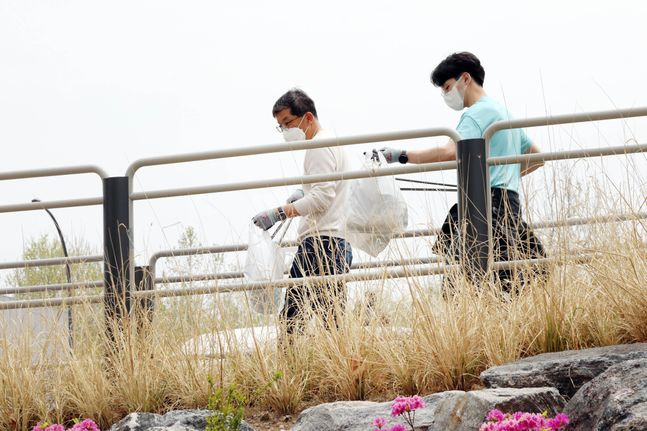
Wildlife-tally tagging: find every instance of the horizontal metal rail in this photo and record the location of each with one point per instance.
(354, 266)
(374, 275)
(407, 272)
(50, 262)
(52, 172)
(292, 146)
(575, 221)
(564, 119)
(67, 203)
(570, 154)
(152, 262)
(51, 302)
(298, 180)
(417, 271)
(51, 287)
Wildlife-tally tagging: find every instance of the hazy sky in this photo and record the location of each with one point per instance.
(107, 83)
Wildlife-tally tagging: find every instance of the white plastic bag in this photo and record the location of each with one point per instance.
(377, 210)
(264, 262)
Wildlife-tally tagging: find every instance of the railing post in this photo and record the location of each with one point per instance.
(473, 206)
(145, 306)
(116, 243)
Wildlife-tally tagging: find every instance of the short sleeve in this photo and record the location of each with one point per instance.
(468, 128)
(525, 141)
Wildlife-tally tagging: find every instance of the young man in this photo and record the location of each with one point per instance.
(322, 248)
(460, 77)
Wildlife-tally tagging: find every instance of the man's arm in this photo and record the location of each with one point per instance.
(443, 153)
(322, 194)
(318, 200)
(528, 167)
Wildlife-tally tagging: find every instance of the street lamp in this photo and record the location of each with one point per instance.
(68, 273)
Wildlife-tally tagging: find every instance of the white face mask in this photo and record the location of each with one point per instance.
(453, 98)
(294, 133)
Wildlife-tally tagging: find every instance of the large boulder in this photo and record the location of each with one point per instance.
(358, 415)
(567, 371)
(468, 410)
(177, 420)
(444, 411)
(614, 400)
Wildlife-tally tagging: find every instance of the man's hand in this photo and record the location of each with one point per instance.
(267, 219)
(391, 155)
(295, 196)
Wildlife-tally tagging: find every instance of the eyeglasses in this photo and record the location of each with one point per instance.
(281, 128)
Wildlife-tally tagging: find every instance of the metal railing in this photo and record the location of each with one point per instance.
(121, 223)
(52, 172)
(51, 287)
(384, 274)
(474, 188)
(51, 261)
(405, 272)
(173, 253)
(152, 263)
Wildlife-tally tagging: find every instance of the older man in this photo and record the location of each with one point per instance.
(322, 249)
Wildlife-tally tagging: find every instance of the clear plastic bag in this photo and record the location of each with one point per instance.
(376, 212)
(264, 262)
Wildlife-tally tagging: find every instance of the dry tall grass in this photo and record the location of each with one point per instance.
(419, 344)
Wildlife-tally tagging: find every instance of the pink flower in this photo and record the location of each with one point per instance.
(379, 422)
(522, 421)
(528, 421)
(406, 404)
(496, 415)
(558, 422)
(517, 415)
(398, 427)
(55, 427)
(86, 425)
(398, 406)
(416, 402)
(489, 426)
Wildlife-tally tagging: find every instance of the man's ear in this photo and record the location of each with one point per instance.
(310, 117)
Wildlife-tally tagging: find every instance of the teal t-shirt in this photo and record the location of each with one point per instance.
(513, 142)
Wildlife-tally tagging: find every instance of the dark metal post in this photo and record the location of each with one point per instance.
(146, 306)
(116, 243)
(473, 208)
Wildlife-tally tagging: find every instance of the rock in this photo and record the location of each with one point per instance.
(444, 411)
(177, 420)
(468, 410)
(567, 371)
(358, 415)
(614, 400)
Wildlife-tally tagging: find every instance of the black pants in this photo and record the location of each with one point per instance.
(320, 255)
(512, 239)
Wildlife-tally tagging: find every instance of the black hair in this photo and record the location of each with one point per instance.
(297, 101)
(454, 65)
